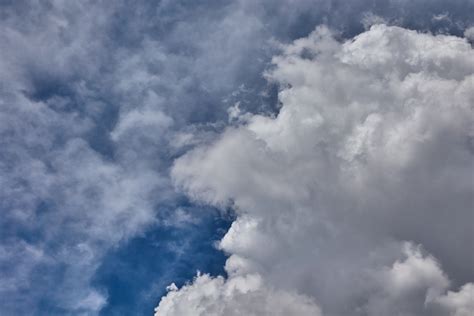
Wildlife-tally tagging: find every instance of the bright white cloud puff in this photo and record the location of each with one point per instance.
(242, 295)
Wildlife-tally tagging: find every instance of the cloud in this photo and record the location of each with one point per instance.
(457, 303)
(93, 97)
(98, 99)
(409, 286)
(362, 156)
(237, 296)
(469, 33)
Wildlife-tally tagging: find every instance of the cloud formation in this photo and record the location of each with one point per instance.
(362, 163)
(242, 295)
(98, 98)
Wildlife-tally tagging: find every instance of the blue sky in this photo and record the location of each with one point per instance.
(124, 126)
(136, 273)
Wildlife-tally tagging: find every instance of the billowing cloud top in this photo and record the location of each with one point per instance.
(357, 197)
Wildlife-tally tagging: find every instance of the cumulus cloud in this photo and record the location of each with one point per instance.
(243, 295)
(372, 147)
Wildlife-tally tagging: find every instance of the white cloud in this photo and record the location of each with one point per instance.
(409, 286)
(416, 285)
(372, 146)
(459, 303)
(243, 295)
(469, 33)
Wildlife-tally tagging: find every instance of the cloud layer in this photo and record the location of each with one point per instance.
(369, 156)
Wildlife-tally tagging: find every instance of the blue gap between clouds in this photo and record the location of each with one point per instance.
(135, 275)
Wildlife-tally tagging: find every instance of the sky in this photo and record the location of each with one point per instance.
(280, 157)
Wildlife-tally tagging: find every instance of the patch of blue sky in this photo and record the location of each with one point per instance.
(136, 274)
